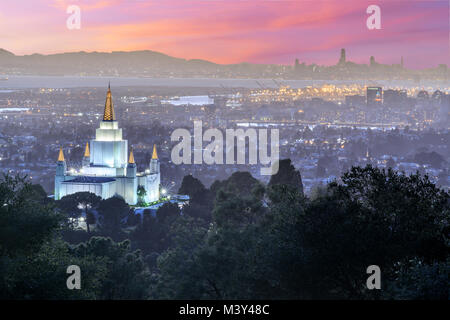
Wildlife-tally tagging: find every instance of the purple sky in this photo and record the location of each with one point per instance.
(234, 31)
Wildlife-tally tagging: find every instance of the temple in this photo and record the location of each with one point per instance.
(107, 169)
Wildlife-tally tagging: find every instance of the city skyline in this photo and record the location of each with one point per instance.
(272, 32)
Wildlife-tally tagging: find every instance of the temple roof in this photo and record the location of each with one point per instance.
(108, 114)
(155, 154)
(86, 151)
(131, 159)
(86, 179)
(61, 154)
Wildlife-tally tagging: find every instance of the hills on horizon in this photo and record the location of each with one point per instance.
(148, 63)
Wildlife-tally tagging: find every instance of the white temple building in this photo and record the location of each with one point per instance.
(105, 170)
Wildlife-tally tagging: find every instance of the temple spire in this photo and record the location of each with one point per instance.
(155, 154)
(61, 155)
(108, 114)
(86, 151)
(131, 159)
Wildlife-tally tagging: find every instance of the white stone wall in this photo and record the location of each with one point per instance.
(153, 181)
(131, 186)
(109, 153)
(99, 171)
(58, 180)
(108, 131)
(127, 188)
(104, 190)
(151, 184)
(123, 186)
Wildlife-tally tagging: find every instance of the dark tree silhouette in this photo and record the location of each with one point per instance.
(287, 175)
(113, 212)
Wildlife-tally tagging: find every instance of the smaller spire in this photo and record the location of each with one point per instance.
(87, 154)
(155, 154)
(131, 159)
(61, 154)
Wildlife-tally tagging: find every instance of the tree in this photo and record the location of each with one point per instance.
(90, 219)
(127, 275)
(241, 180)
(133, 219)
(113, 212)
(79, 203)
(42, 274)
(232, 210)
(374, 217)
(288, 247)
(24, 223)
(87, 202)
(287, 175)
(417, 280)
(318, 248)
(35, 192)
(147, 236)
(33, 258)
(141, 193)
(194, 188)
(215, 262)
(180, 273)
(167, 213)
(196, 210)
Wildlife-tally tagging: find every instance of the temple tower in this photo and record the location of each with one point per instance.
(61, 169)
(108, 149)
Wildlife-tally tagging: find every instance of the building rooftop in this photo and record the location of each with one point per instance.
(85, 179)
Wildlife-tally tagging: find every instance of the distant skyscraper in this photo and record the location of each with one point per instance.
(342, 58)
(374, 96)
(372, 61)
(296, 65)
(401, 62)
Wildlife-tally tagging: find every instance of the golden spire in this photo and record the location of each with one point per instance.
(155, 154)
(86, 151)
(131, 159)
(108, 114)
(61, 154)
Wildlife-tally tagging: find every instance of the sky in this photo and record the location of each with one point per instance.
(234, 31)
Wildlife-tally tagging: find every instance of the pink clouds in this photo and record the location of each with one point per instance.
(233, 31)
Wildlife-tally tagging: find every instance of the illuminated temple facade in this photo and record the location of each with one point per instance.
(107, 169)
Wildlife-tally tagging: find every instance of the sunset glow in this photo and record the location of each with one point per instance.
(234, 31)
